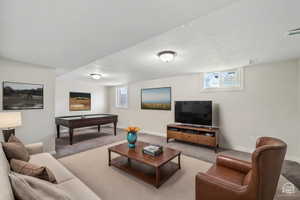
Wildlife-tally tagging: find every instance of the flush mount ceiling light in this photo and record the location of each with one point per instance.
(167, 56)
(293, 32)
(95, 76)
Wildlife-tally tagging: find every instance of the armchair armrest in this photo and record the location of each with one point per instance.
(210, 187)
(233, 163)
(35, 148)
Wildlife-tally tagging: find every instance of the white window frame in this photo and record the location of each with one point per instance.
(117, 105)
(240, 72)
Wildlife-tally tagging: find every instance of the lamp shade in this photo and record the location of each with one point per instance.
(10, 119)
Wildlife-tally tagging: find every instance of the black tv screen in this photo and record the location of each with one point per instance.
(194, 112)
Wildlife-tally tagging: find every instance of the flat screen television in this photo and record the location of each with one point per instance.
(194, 112)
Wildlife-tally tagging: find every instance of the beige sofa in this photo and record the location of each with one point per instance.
(66, 180)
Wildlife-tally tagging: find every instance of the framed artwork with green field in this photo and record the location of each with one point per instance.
(156, 98)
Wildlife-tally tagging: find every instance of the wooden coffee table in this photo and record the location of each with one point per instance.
(153, 170)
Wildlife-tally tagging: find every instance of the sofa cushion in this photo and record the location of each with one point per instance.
(5, 187)
(78, 190)
(35, 148)
(14, 148)
(30, 169)
(45, 159)
(31, 188)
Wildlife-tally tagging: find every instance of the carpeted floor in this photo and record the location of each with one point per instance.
(110, 183)
(86, 139)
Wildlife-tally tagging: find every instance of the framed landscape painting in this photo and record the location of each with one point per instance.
(80, 101)
(156, 98)
(22, 96)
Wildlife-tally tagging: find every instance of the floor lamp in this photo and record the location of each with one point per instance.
(8, 122)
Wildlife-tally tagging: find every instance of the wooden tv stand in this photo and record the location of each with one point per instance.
(197, 135)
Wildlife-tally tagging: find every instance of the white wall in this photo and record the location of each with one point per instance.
(299, 88)
(37, 125)
(266, 107)
(63, 89)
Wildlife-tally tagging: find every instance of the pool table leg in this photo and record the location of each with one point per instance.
(71, 135)
(58, 131)
(115, 128)
(99, 128)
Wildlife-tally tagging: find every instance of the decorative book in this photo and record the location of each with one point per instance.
(153, 150)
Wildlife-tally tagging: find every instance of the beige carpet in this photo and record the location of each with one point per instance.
(110, 183)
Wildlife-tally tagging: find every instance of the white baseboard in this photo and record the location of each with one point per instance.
(154, 133)
(148, 132)
(248, 150)
(293, 158)
(237, 148)
(52, 152)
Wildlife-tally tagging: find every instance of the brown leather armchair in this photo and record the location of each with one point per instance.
(234, 179)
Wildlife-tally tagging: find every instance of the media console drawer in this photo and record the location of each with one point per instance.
(189, 137)
(173, 134)
(193, 135)
(207, 140)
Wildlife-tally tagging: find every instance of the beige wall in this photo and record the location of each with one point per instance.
(37, 125)
(64, 87)
(266, 107)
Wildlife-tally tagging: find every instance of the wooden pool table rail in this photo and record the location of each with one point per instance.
(79, 121)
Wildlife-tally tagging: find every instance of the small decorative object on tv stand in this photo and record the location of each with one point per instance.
(197, 135)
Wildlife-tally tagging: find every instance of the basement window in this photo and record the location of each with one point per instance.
(223, 80)
(122, 97)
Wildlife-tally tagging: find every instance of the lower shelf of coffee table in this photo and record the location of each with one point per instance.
(145, 172)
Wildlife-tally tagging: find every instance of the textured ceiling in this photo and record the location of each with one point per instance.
(120, 39)
(226, 38)
(66, 34)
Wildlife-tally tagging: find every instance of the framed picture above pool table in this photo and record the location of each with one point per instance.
(80, 101)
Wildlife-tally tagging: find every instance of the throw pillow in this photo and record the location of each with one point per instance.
(31, 188)
(14, 148)
(14, 139)
(29, 169)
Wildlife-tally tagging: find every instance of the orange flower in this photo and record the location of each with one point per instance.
(132, 129)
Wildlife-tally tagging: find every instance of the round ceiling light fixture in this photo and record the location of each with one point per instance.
(167, 56)
(95, 76)
(293, 32)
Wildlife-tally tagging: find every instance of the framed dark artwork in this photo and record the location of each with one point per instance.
(80, 101)
(22, 96)
(156, 98)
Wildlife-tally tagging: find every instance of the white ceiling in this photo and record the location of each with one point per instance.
(67, 34)
(224, 38)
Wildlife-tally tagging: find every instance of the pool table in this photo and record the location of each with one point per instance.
(79, 121)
